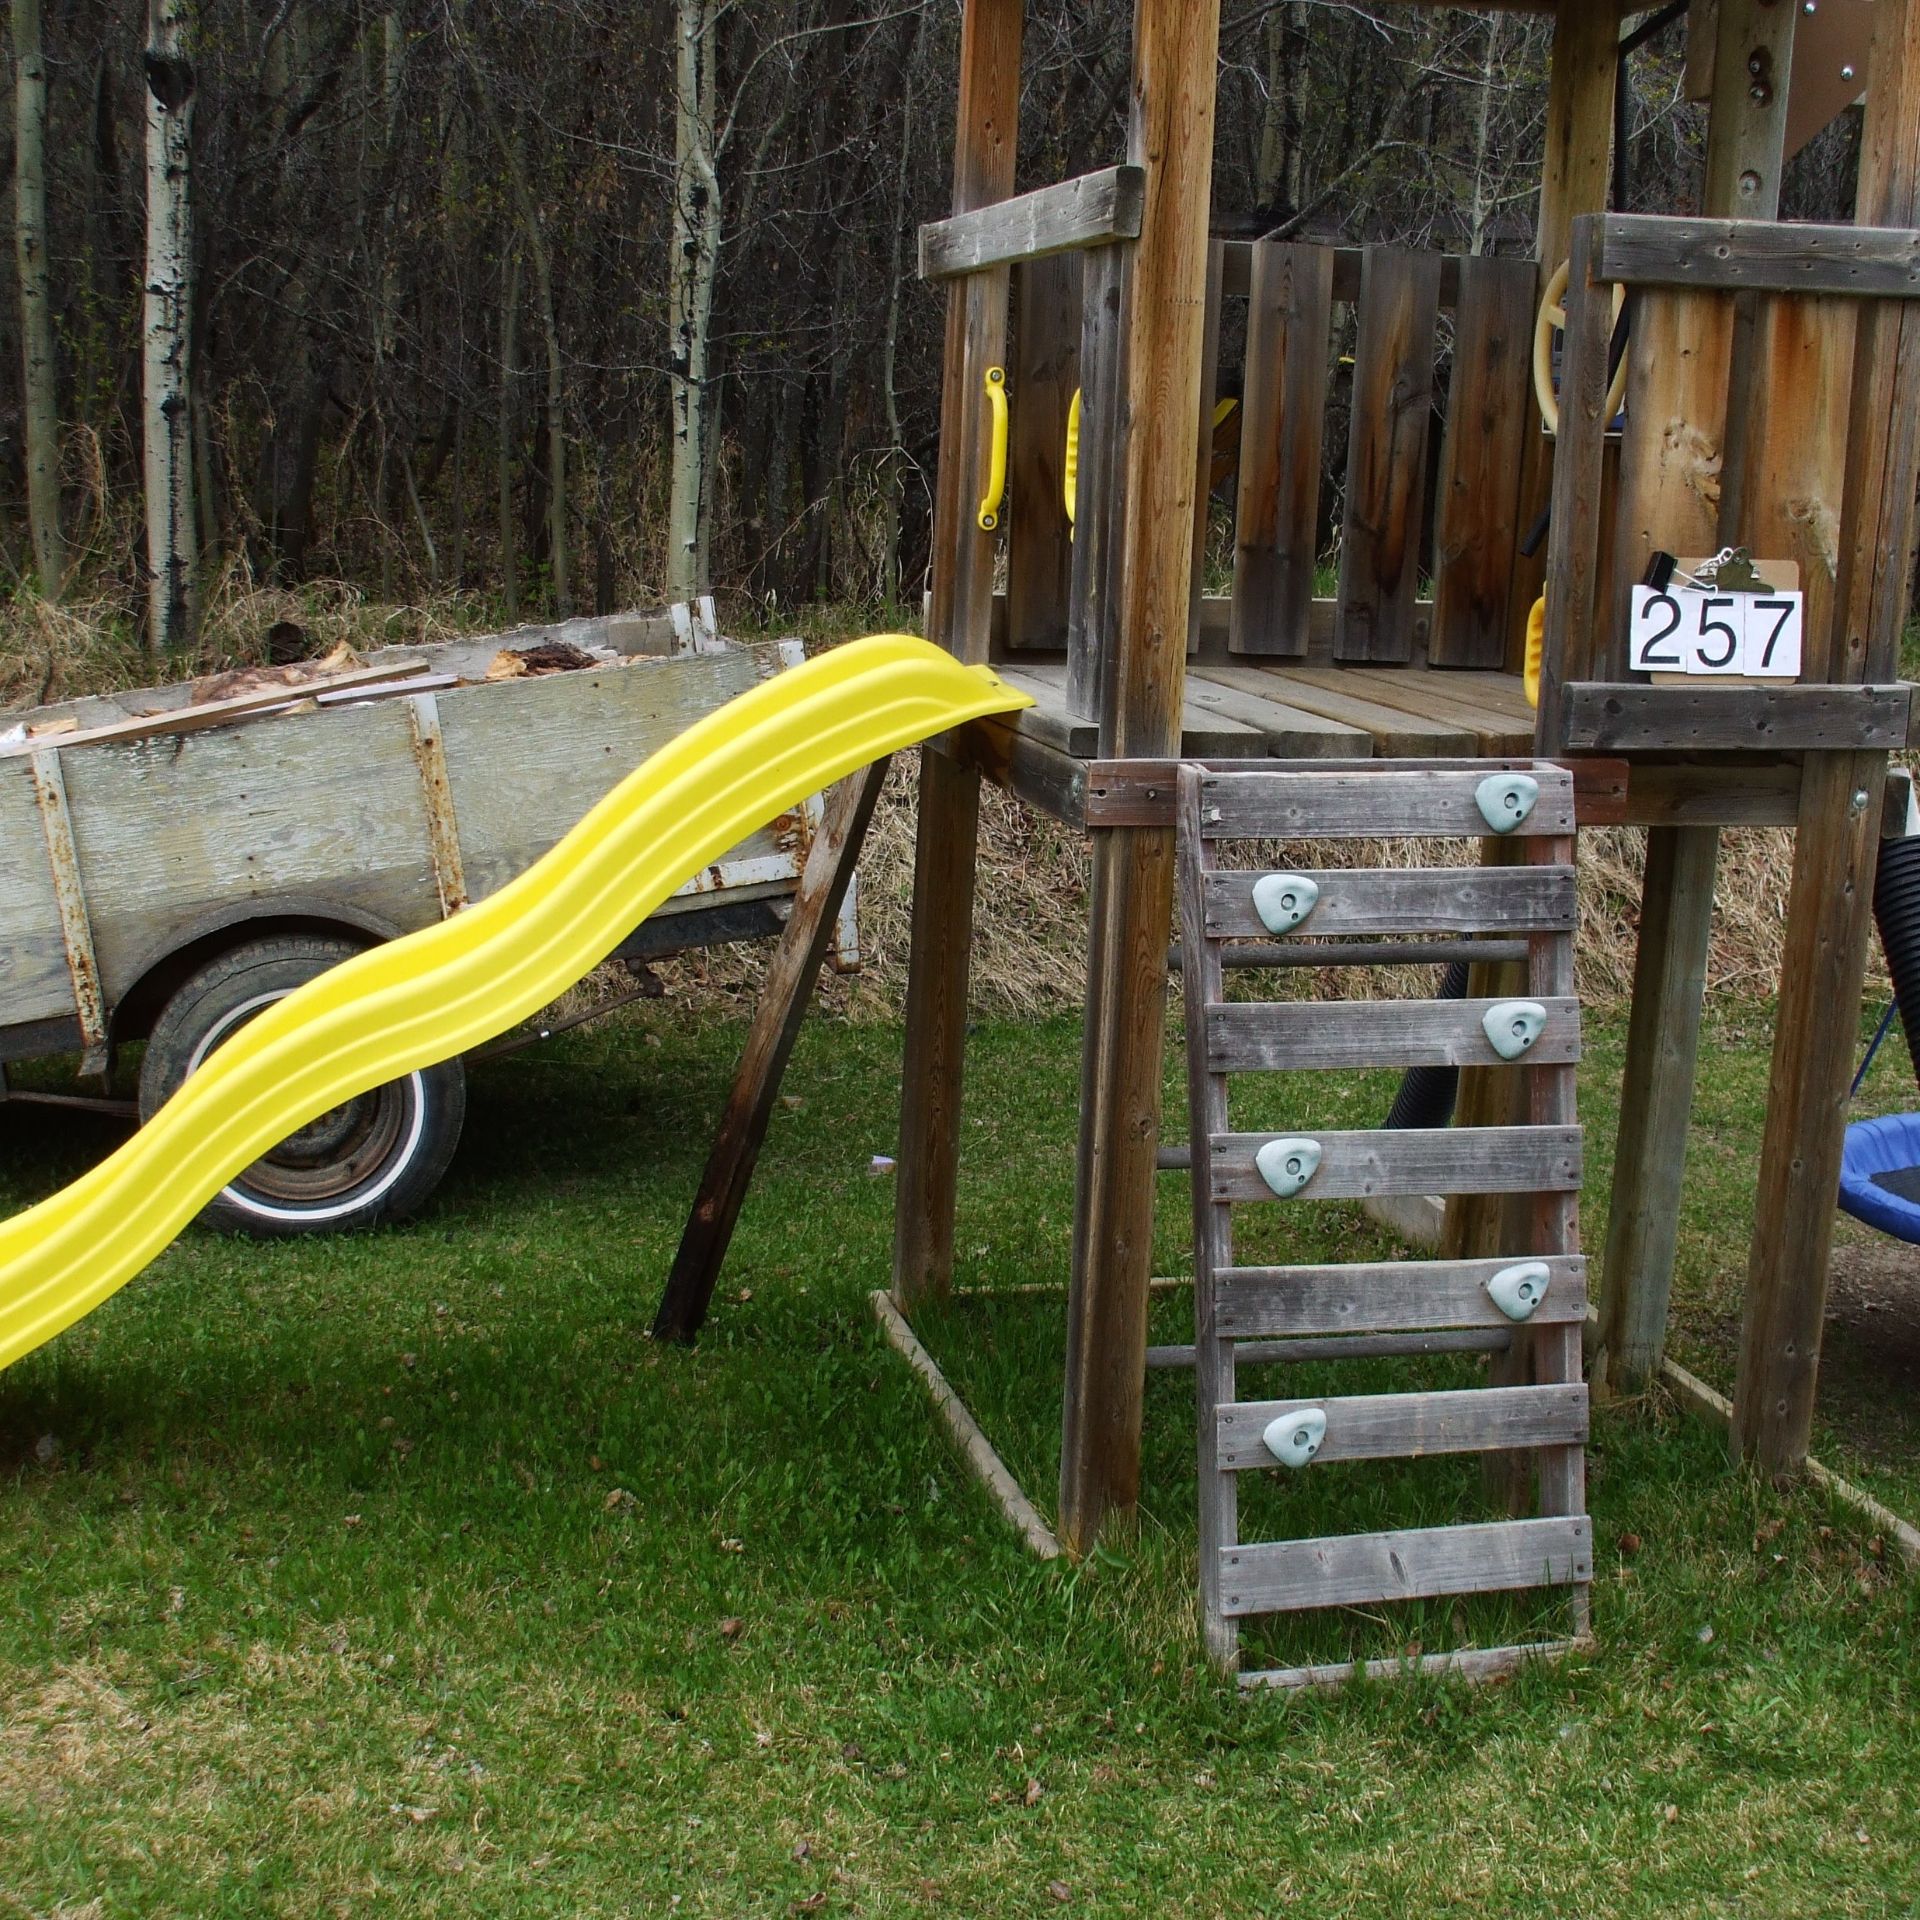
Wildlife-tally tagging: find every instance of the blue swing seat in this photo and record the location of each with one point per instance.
(1880, 1174)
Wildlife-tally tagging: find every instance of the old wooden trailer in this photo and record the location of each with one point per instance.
(170, 863)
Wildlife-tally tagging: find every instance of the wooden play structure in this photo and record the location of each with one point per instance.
(1771, 383)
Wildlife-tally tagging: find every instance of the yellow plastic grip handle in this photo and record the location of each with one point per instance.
(997, 454)
(1071, 484)
(1536, 645)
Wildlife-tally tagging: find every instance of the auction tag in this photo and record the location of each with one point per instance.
(1702, 635)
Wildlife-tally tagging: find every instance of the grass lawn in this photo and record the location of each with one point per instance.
(402, 1574)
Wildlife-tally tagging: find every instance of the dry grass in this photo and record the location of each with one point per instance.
(1030, 920)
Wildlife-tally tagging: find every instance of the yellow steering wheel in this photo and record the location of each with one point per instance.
(1552, 319)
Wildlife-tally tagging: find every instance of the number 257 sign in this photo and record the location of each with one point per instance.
(1754, 635)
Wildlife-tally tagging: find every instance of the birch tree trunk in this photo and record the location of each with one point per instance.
(509, 381)
(695, 241)
(38, 367)
(167, 411)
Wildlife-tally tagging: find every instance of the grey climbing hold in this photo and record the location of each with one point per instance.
(1286, 1165)
(1505, 799)
(1518, 1289)
(1512, 1026)
(1283, 900)
(1295, 1437)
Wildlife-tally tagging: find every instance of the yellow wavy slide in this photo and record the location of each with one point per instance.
(438, 992)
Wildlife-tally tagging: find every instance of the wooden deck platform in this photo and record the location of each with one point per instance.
(1242, 708)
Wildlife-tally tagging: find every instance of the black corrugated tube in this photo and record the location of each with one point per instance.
(1896, 911)
(1427, 1094)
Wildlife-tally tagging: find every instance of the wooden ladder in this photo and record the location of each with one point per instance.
(1536, 1400)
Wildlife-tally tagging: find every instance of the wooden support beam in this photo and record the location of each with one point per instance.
(1829, 907)
(960, 616)
(1767, 256)
(1091, 211)
(1612, 717)
(777, 1016)
(1176, 47)
(1680, 375)
(1656, 1103)
(1574, 180)
(1815, 1033)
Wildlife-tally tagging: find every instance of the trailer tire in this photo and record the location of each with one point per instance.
(376, 1157)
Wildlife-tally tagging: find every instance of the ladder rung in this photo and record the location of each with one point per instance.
(1283, 1576)
(1404, 900)
(1173, 1159)
(1388, 1296)
(1357, 1165)
(1379, 803)
(1349, 1346)
(1362, 953)
(1271, 1036)
(1469, 1663)
(1403, 1426)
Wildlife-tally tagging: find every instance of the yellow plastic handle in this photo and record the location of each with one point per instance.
(997, 454)
(1536, 645)
(1071, 485)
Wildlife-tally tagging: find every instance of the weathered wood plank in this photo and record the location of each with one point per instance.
(1398, 1295)
(1214, 1359)
(1815, 1034)
(1424, 695)
(205, 715)
(1390, 730)
(1468, 1663)
(1090, 211)
(1656, 1102)
(1348, 1346)
(589, 730)
(1291, 733)
(1607, 716)
(1672, 455)
(1360, 1569)
(34, 983)
(1045, 371)
(1208, 729)
(1405, 900)
(1574, 180)
(1575, 618)
(777, 1018)
(960, 618)
(1386, 1426)
(1277, 515)
(1767, 256)
(1273, 1036)
(1093, 598)
(1795, 449)
(1489, 417)
(1345, 806)
(1440, 1160)
(1387, 455)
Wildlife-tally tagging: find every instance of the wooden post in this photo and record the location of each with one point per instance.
(1579, 144)
(776, 1026)
(1745, 146)
(1176, 46)
(1837, 840)
(1656, 1099)
(960, 620)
